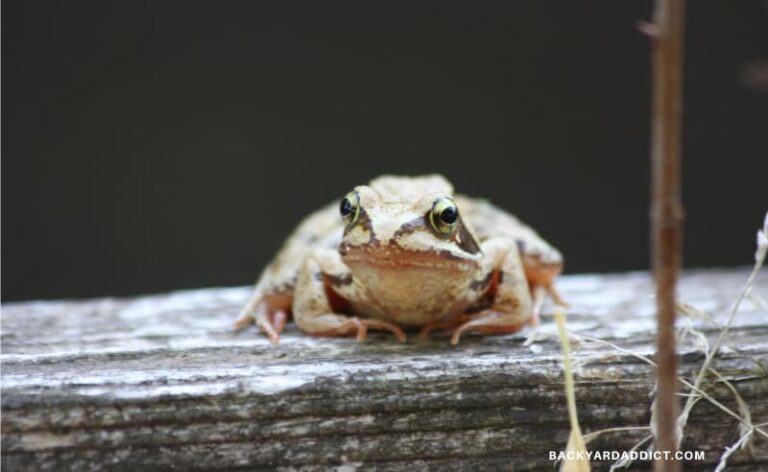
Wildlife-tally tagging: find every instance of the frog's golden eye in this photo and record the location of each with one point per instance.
(350, 207)
(444, 215)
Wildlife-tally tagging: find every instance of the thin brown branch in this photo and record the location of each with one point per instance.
(666, 212)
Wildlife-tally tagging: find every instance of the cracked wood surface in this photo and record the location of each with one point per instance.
(161, 382)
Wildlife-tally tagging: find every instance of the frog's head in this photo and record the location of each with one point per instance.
(405, 223)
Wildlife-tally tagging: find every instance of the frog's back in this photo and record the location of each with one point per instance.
(321, 229)
(488, 220)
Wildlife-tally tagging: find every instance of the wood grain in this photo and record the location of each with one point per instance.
(161, 382)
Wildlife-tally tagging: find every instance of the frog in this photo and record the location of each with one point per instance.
(406, 253)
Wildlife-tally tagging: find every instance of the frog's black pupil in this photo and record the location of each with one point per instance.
(449, 215)
(346, 207)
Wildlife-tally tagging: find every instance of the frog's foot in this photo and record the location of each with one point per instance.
(486, 322)
(357, 326)
(268, 313)
(539, 293)
(270, 324)
(541, 277)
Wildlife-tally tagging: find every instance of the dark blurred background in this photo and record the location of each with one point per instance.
(159, 145)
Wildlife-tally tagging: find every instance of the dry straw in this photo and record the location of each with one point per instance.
(576, 449)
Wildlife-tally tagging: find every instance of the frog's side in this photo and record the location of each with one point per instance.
(405, 253)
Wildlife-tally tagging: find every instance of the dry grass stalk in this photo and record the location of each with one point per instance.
(576, 448)
(699, 393)
(760, 255)
(747, 429)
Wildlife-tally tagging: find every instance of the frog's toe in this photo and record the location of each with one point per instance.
(538, 294)
(358, 327)
(384, 326)
(278, 319)
(555, 295)
(488, 322)
(243, 321)
(452, 323)
(271, 324)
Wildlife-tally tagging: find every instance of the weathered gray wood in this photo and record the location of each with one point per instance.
(161, 382)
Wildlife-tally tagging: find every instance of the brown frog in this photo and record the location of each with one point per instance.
(405, 252)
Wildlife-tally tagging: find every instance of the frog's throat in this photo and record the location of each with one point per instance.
(411, 289)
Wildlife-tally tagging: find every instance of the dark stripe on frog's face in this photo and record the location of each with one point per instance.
(465, 240)
(462, 237)
(364, 222)
(410, 226)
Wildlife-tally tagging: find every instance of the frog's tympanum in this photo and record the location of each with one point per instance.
(405, 252)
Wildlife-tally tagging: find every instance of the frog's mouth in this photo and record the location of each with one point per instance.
(396, 257)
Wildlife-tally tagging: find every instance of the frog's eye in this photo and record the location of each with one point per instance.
(350, 207)
(444, 215)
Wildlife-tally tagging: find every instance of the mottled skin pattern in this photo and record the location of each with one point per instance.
(407, 253)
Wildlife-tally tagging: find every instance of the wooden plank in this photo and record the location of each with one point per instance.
(161, 382)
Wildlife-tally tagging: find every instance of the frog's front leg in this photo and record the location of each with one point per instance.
(511, 305)
(323, 289)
